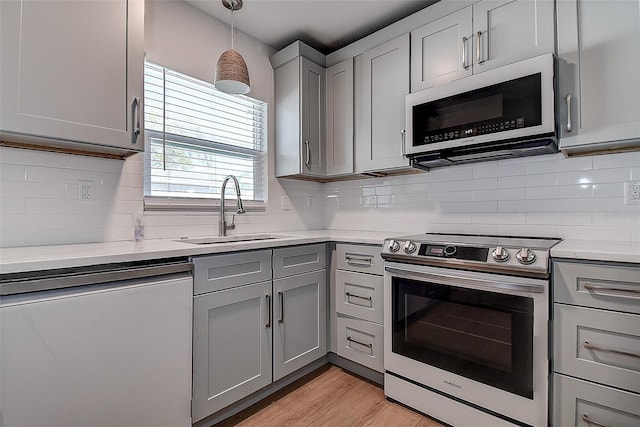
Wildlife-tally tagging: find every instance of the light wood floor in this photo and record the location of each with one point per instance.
(329, 397)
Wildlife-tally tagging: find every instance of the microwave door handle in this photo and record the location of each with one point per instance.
(403, 139)
(569, 126)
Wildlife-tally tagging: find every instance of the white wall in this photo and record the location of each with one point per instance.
(578, 198)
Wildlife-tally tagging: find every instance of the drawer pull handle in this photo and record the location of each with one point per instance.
(596, 288)
(268, 325)
(359, 260)
(609, 350)
(359, 342)
(348, 294)
(281, 298)
(589, 421)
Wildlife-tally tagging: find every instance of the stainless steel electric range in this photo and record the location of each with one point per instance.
(466, 321)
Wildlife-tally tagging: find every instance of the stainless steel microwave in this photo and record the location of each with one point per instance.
(500, 113)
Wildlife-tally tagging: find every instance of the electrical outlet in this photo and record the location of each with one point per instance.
(286, 204)
(85, 191)
(632, 193)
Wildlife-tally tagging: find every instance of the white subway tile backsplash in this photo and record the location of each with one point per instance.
(542, 195)
(618, 160)
(559, 165)
(528, 206)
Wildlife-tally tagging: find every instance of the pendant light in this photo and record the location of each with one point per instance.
(232, 75)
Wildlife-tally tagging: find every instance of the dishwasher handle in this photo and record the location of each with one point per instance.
(106, 275)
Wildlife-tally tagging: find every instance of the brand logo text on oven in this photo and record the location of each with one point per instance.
(452, 384)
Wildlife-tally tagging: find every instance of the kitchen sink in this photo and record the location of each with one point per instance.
(227, 239)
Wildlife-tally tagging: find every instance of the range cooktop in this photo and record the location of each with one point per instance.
(502, 254)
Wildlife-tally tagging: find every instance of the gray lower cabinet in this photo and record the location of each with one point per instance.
(596, 325)
(257, 317)
(300, 327)
(358, 302)
(231, 346)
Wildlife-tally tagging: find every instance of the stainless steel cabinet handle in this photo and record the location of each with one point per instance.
(358, 342)
(357, 296)
(136, 115)
(403, 148)
(569, 126)
(589, 421)
(358, 260)
(268, 325)
(478, 46)
(589, 346)
(464, 53)
(281, 298)
(307, 160)
(597, 288)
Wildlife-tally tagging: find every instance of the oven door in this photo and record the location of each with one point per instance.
(478, 337)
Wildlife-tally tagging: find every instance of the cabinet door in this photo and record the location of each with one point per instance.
(598, 72)
(232, 350)
(441, 50)
(300, 320)
(340, 118)
(507, 31)
(312, 93)
(385, 83)
(73, 70)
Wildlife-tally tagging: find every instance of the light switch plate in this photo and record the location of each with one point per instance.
(286, 204)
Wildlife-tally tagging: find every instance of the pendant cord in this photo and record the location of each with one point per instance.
(232, 24)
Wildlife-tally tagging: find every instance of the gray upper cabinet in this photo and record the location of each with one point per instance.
(67, 80)
(300, 124)
(598, 61)
(340, 118)
(486, 35)
(441, 50)
(384, 83)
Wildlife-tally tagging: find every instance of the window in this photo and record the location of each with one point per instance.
(195, 136)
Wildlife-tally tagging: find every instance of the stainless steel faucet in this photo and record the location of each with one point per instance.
(222, 225)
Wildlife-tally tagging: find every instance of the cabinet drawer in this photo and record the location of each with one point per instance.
(299, 259)
(577, 328)
(361, 341)
(608, 286)
(360, 258)
(360, 295)
(217, 272)
(576, 399)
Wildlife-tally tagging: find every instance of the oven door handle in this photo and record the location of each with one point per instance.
(463, 282)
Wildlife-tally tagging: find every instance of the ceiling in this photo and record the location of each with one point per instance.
(326, 25)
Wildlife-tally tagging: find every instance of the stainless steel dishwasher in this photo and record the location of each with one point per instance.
(104, 346)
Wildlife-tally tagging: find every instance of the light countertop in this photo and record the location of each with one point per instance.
(598, 250)
(36, 258)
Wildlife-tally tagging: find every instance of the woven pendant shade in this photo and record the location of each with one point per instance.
(232, 75)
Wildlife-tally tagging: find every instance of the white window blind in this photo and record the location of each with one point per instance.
(195, 136)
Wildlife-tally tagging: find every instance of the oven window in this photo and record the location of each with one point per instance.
(481, 335)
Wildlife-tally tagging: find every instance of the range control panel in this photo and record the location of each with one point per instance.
(457, 255)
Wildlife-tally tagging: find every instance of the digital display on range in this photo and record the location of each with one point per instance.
(432, 250)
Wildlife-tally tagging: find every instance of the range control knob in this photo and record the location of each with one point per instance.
(526, 256)
(450, 250)
(500, 254)
(409, 247)
(393, 246)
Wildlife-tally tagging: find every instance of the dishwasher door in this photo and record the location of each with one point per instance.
(99, 355)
